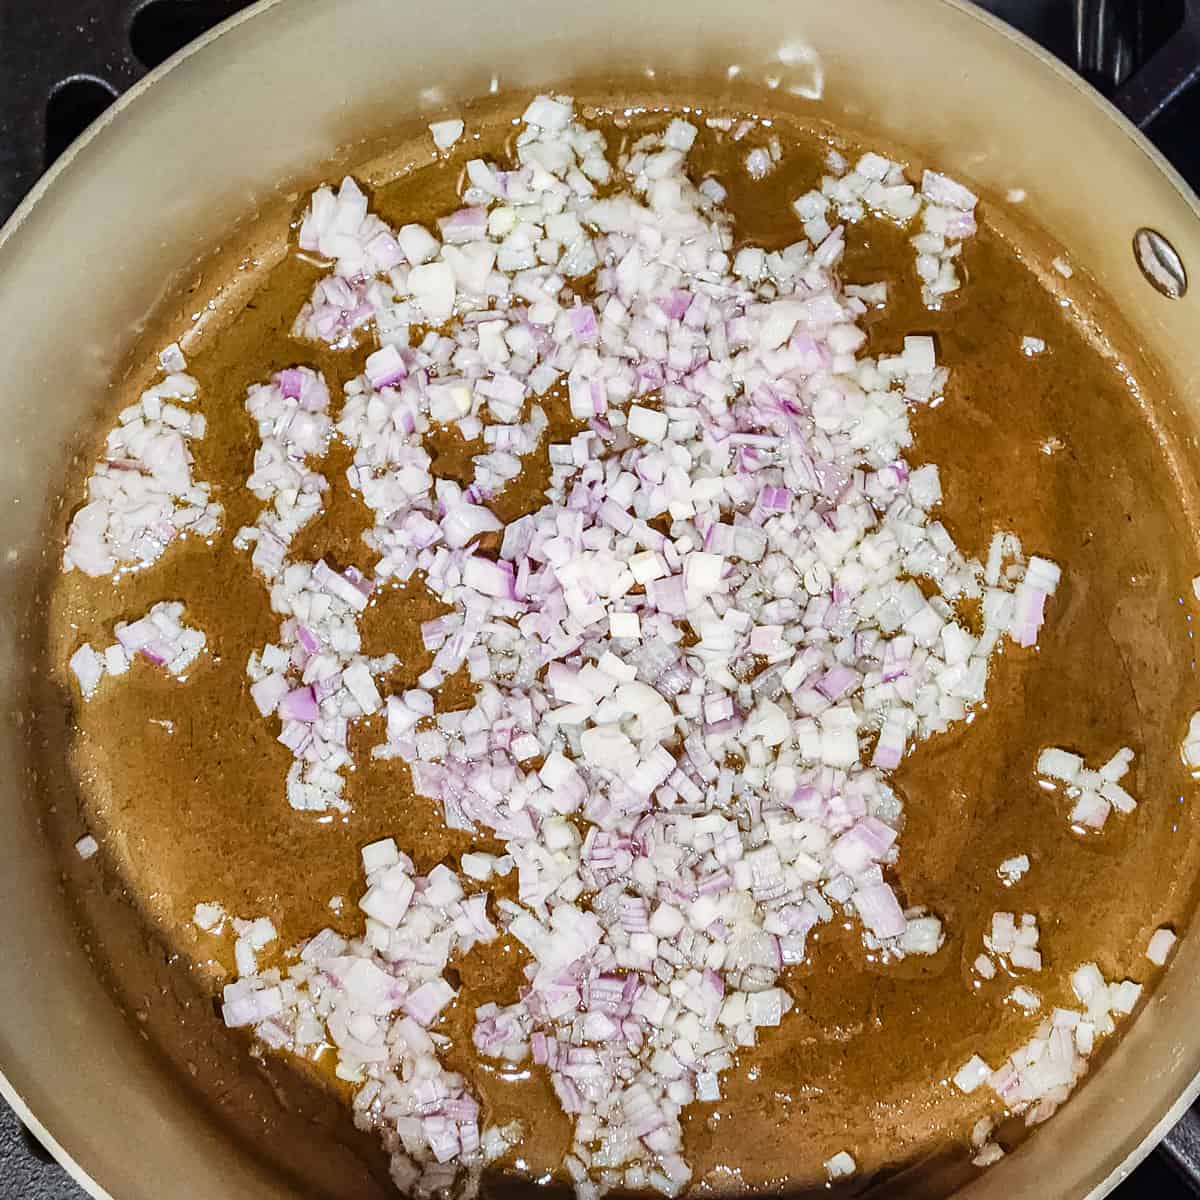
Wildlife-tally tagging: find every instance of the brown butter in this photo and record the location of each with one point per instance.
(195, 810)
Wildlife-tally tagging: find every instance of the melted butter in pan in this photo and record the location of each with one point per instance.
(183, 783)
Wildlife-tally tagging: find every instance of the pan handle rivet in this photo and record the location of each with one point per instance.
(1160, 263)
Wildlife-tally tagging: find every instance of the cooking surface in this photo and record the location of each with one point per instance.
(183, 783)
(1034, 413)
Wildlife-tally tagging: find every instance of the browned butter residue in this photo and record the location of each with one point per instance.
(183, 782)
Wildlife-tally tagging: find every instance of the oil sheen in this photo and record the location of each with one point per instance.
(183, 783)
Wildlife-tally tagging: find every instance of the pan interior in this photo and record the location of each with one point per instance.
(183, 785)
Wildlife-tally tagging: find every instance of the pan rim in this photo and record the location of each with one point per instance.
(1154, 161)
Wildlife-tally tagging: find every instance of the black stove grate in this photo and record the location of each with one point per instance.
(62, 62)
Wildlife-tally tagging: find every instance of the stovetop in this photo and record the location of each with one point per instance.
(62, 62)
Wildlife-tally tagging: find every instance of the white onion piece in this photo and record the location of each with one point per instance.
(1160, 947)
(209, 917)
(841, 1165)
(1094, 793)
(377, 1002)
(985, 967)
(291, 412)
(759, 163)
(989, 1154)
(171, 360)
(446, 133)
(971, 1074)
(1012, 870)
(314, 678)
(878, 186)
(1190, 750)
(88, 668)
(1042, 1073)
(160, 637)
(1025, 998)
(142, 496)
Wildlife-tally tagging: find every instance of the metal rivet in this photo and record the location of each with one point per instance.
(1161, 265)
